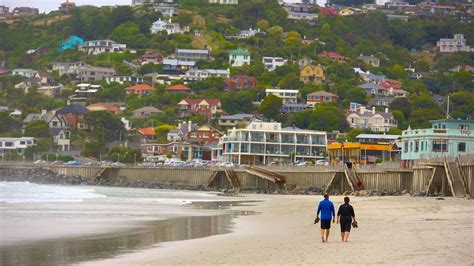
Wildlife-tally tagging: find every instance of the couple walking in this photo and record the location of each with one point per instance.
(345, 216)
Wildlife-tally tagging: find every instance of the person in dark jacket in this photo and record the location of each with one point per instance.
(326, 208)
(345, 216)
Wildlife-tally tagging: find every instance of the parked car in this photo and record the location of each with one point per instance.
(40, 162)
(118, 164)
(58, 162)
(322, 163)
(74, 162)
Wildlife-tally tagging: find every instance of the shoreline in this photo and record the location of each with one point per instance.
(392, 230)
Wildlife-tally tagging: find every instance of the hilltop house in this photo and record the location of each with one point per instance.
(71, 42)
(288, 96)
(25, 11)
(313, 74)
(108, 107)
(240, 82)
(208, 107)
(456, 44)
(69, 68)
(201, 74)
(320, 97)
(140, 89)
(74, 114)
(27, 73)
(239, 57)
(175, 66)
(224, 2)
(192, 55)
(84, 93)
(102, 46)
(375, 121)
(271, 63)
(293, 107)
(245, 34)
(92, 73)
(300, 11)
(168, 26)
(334, 56)
(151, 57)
(370, 60)
(134, 80)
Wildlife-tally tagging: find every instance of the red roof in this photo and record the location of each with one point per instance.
(147, 131)
(328, 11)
(212, 102)
(444, 7)
(178, 87)
(142, 87)
(332, 54)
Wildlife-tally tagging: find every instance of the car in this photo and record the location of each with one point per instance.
(227, 165)
(118, 164)
(58, 162)
(73, 162)
(303, 163)
(322, 163)
(40, 162)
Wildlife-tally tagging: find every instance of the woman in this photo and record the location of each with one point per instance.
(345, 215)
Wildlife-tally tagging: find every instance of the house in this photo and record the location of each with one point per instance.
(320, 97)
(58, 127)
(151, 57)
(71, 68)
(140, 89)
(208, 107)
(4, 71)
(204, 135)
(240, 82)
(237, 120)
(180, 133)
(288, 96)
(313, 74)
(293, 107)
(178, 88)
(224, 2)
(44, 78)
(201, 74)
(91, 73)
(304, 62)
(167, 9)
(271, 63)
(25, 11)
(27, 73)
(192, 55)
(146, 134)
(239, 57)
(328, 11)
(175, 66)
(374, 89)
(32, 54)
(84, 93)
(67, 6)
(442, 10)
(300, 11)
(370, 60)
(146, 112)
(53, 91)
(462, 67)
(369, 148)
(96, 47)
(4, 10)
(383, 101)
(375, 121)
(74, 114)
(456, 44)
(334, 56)
(71, 42)
(133, 80)
(108, 107)
(245, 34)
(265, 142)
(445, 138)
(168, 26)
(10, 147)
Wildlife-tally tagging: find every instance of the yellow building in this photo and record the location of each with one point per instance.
(313, 74)
(359, 152)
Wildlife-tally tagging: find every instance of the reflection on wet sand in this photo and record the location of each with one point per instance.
(70, 250)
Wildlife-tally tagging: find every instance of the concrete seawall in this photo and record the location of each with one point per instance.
(412, 180)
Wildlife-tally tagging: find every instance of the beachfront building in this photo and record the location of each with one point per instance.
(288, 96)
(369, 148)
(445, 138)
(10, 147)
(239, 57)
(265, 142)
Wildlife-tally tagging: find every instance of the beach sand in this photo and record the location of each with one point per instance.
(392, 230)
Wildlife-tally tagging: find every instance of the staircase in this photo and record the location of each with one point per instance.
(232, 177)
(352, 178)
(456, 179)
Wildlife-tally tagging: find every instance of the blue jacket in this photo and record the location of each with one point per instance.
(326, 208)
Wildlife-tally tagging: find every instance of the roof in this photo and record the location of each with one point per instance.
(73, 109)
(149, 109)
(328, 11)
(302, 105)
(143, 87)
(378, 136)
(322, 93)
(332, 54)
(371, 85)
(176, 62)
(147, 131)
(240, 52)
(107, 106)
(178, 87)
(194, 51)
(237, 116)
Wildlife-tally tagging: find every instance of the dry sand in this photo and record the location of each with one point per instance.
(392, 230)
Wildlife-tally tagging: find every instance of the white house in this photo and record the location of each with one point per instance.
(376, 121)
(288, 96)
(456, 44)
(27, 73)
(9, 146)
(133, 80)
(271, 63)
(239, 57)
(200, 74)
(245, 34)
(168, 26)
(96, 47)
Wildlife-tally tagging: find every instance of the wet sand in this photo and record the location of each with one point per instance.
(392, 230)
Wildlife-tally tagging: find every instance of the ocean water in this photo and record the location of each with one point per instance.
(54, 224)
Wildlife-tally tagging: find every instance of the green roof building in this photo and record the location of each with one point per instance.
(239, 57)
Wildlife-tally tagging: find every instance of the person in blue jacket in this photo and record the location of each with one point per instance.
(326, 208)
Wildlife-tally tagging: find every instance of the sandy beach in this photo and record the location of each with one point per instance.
(392, 230)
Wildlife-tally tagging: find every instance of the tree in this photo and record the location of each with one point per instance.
(161, 131)
(37, 129)
(402, 104)
(238, 102)
(270, 105)
(105, 127)
(290, 82)
(327, 117)
(124, 154)
(7, 123)
(356, 95)
(420, 118)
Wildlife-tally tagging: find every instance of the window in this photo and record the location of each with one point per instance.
(462, 147)
(8, 144)
(417, 144)
(411, 146)
(440, 146)
(205, 134)
(463, 127)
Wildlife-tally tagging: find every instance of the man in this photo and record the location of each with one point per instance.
(326, 208)
(346, 216)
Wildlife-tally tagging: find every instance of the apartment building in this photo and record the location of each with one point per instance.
(15, 146)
